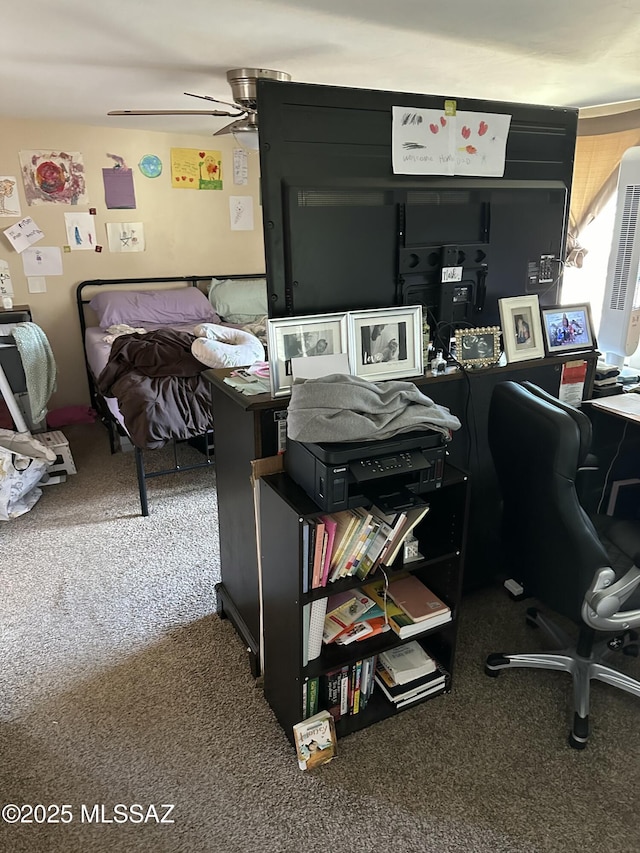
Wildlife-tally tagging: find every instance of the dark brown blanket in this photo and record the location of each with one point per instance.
(159, 387)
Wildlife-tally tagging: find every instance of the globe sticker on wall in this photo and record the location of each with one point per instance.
(150, 166)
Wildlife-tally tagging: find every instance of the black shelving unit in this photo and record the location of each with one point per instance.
(284, 508)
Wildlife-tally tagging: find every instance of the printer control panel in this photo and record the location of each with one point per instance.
(374, 467)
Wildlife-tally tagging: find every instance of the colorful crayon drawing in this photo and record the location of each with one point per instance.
(193, 169)
(53, 177)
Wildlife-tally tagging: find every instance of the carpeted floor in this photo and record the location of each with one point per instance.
(121, 685)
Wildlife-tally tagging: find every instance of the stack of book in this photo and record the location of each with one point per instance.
(407, 674)
(352, 616)
(347, 689)
(353, 543)
(409, 606)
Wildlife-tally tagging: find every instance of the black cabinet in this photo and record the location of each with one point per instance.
(249, 428)
(284, 508)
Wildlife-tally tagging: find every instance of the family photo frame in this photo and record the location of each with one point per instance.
(301, 337)
(521, 328)
(568, 328)
(381, 343)
(386, 343)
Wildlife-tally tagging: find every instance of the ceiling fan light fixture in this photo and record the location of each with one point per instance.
(244, 131)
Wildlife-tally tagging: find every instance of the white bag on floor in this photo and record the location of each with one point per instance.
(23, 462)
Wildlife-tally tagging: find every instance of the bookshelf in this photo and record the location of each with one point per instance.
(284, 509)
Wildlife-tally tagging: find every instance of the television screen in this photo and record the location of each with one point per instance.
(344, 232)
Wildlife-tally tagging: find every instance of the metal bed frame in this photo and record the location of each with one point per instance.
(115, 430)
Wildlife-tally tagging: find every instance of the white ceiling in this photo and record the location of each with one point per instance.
(74, 60)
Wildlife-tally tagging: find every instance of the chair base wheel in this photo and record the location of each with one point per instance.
(531, 617)
(576, 743)
(492, 673)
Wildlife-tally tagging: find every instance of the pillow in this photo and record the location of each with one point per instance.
(186, 305)
(222, 346)
(242, 300)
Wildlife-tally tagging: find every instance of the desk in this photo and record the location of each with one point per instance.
(248, 428)
(616, 443)
(626, 406)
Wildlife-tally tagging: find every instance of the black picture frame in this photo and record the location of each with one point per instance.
(567, 328)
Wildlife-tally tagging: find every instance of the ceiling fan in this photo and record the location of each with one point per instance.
(243, 90)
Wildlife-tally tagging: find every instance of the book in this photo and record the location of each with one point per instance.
(383, 533)
(319, 546)
(350, 546)
(340, 600)
(306, 573)
(345, 523)
(403, 625)
(330, 526)
(345, 615)
(406, 663)
(317, 613)
(415, 689)
(416, 599)
(362, 629)
(312, 696)
(438, 686)
(355, 702)
(315, 740)
(332, 690)
(413, 518)
(359, 544)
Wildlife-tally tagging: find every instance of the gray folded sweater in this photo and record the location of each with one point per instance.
(340, 407)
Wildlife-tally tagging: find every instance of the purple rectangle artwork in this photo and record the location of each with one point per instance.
(119, 193)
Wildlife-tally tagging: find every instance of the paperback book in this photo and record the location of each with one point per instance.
(315, 740)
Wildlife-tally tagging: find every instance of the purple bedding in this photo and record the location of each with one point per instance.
(159, 386)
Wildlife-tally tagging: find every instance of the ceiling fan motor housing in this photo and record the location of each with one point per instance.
(243, 83)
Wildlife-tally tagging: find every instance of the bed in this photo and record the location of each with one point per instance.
(144, 381)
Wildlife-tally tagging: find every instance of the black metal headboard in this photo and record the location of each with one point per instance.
(127, 283)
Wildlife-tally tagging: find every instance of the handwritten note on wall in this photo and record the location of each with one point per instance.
(430, 142)
(23, 234)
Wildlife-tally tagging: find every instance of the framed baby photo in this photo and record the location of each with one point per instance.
(568, 328)
(478, 347)
(300, 337)
(386, 343)
(521, 328)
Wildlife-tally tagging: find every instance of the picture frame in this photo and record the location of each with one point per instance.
(386, 343)
(479, 347)
(295, 337)
(568, 328)
(522, 336)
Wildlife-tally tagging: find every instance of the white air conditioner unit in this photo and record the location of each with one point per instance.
(619, 332)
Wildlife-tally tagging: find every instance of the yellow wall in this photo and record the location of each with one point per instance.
(186, 232)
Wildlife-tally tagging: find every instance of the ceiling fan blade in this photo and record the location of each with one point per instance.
(227, 103)
(170, 113)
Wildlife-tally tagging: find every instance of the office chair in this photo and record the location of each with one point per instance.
(551, 545)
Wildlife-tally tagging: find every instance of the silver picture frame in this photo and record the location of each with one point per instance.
(479, 347)
(300, 337)
(386, 343)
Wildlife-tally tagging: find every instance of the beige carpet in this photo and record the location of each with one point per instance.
(121, 685)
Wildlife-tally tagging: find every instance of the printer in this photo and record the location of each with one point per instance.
(394, 473)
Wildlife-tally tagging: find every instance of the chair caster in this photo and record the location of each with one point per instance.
(494, 663)
(579, 734)
(576, 743)
(531, 618)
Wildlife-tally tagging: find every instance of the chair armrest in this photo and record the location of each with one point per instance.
(603, 599)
